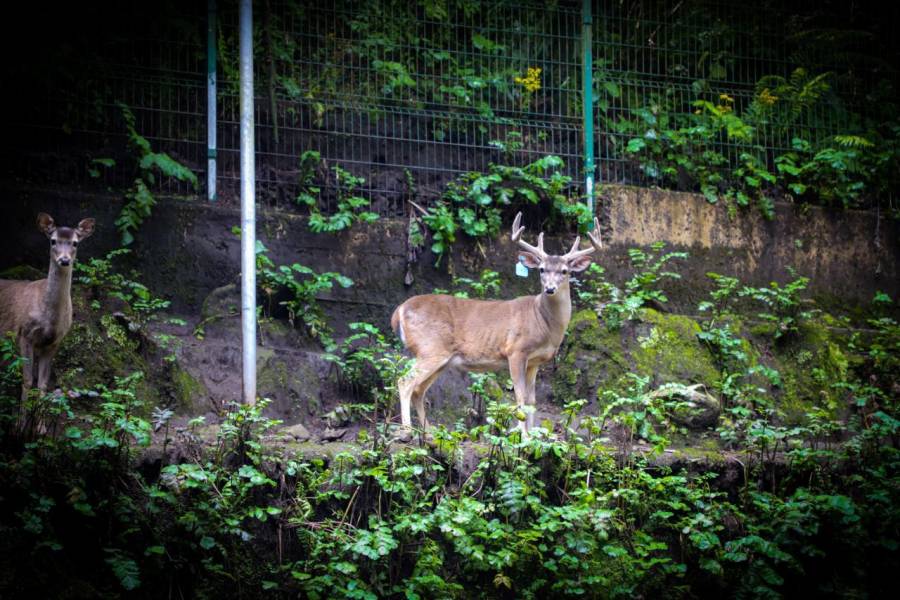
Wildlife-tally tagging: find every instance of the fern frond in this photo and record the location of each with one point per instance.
(853, 141)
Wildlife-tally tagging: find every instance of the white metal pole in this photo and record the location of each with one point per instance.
(248, 206)
(211, 100)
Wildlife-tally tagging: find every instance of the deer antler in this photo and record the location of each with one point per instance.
(596, 236)
(517, 237)
(596, 243)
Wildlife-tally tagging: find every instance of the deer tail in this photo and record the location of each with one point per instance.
(397, 323)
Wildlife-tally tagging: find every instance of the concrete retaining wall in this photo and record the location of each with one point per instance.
(186, 249)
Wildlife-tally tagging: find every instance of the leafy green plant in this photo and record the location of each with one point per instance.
(744, 383)
(139, 199)
(118, 422)
(10, 373)
(486, 286)
(617, 305)
(655, 139)
(676, 148)
(786, 309)
(107, 281)
(883, 350)
(440, 221)
(591, 287)
(721, 117)
(474, 202)
(86, 457)
(510, 145)
(632, 526)
(752, 177)
(484, 388)
(217, 498)
(730, 350)
(309, 164)
(302, 286)
(652, 262)
(836, 175)
(368, 361)
(644, 414)
(349, 205)
(723, 297)
(785, 101)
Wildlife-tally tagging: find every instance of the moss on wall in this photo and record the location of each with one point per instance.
(100, 346)
(592, 358)
(90, 356)
(659, 346)
(293, 382)
(810, 365)
(670, 351)
(186, 389)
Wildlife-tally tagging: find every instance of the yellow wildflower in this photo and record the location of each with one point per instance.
(532, 80)
(768, 98)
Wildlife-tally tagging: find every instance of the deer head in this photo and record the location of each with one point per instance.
(555, 269)
(64, 240)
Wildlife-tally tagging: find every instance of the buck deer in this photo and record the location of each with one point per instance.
(480, 335)
(39, 313)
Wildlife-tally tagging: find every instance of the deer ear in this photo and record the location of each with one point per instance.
(529, 260)
(580, 264)
(85, 228)
(45, 224)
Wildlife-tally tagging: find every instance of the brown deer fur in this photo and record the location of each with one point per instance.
(39, 313)
(477, 335)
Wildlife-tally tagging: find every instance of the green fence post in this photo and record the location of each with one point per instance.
(587, 77)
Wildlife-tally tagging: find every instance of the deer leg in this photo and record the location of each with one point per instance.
(42, 361)
(530, 379)
(518, 372)
(404, 386)
(419, 394)
(427, 375)
(27, 352)
(413, 389)
(43, 369)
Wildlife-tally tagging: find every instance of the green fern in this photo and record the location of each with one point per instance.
(853, 141)
(139, 200)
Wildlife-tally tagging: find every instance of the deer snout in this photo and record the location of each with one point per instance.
(550, 289)
(64, 261)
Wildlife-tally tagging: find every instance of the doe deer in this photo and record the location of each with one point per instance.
(39, 313)
(481, 335)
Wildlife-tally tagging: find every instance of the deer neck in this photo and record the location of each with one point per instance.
(556, 310)
(57, 298)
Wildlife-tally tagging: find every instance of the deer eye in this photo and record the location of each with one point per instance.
(564, 271)
(75, 244)
(52, 242)
(542, 269)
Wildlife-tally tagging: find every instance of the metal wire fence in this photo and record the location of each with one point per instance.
(409, 95)
(663, 57)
